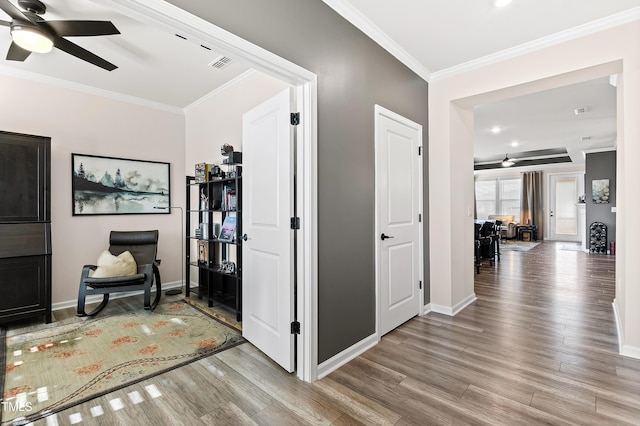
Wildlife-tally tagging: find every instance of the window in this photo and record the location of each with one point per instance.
(498, 196)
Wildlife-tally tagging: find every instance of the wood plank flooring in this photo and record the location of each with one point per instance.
(539, 346)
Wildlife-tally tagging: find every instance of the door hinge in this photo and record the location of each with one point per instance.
(419, 150)
(295, 118)
(295, 223)
(419, 217)
(420, 285)
(295, 327)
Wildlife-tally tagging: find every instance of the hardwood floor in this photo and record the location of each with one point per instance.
(538, 346)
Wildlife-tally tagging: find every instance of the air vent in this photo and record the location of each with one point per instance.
(585, 138)
(220, 62)
(582, 110)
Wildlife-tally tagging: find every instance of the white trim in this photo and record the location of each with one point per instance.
(97, 297)
(624, 350)
(616, 316)
(453, 311)
(541, 43)
(364, 24)
(426, 309)
(347, 355)
(172, 18)
(82, 88)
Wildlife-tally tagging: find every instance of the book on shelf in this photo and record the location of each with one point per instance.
(228, 229)
(229, 198)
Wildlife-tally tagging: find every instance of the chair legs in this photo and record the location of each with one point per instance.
(81, 301)
(147, 291)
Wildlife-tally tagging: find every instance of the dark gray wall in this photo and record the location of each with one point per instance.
(601, 165)
(354, 73)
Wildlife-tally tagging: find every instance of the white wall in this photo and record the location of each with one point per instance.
(615, 50)
(217, 119)
(88, 124)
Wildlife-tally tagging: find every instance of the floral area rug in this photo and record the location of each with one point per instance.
(56, 368)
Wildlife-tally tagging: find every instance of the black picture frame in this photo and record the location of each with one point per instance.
(114, 186)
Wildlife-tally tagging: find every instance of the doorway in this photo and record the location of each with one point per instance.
(305, 89)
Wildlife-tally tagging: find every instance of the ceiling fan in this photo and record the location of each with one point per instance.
(31, 33)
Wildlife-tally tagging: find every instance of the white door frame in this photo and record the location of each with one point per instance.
(378, 111)
(170, 17)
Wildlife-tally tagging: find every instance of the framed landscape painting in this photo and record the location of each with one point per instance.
(109, 185)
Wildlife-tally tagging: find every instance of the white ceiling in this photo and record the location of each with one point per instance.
(154, 64)
(434, 37)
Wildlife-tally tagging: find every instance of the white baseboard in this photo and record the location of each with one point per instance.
(97, 297)
(624, 350)
(453, 311)
(426, 309)
(347, 355)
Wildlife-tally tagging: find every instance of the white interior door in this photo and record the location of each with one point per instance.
(563, 209)
(398, 186)
(267, 278)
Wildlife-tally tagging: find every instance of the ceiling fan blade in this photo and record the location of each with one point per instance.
(5, 23)
(17, 53)
(82, 28)
(81, 53)
(12, 11)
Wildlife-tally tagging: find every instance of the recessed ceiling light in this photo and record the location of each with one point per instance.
(495, 130)
(502, 3)
(515, 143)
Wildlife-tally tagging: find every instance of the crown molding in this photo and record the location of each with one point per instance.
(77, 87)
(364, 24)
(541, 43)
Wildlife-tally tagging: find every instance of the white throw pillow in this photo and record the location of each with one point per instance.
(109, 265)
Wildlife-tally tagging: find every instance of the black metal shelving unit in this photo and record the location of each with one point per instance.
(217, 198)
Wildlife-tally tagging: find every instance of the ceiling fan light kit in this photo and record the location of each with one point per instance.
(31, 33)
(31, 38)
(507, 162)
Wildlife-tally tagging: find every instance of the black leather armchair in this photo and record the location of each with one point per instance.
(143, 245)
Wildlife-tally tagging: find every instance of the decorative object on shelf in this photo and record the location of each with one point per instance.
(203, 252)
(600, 191)
(204, 201)
(226, 149)
(110, 185)
(216, 173)
(233, 158)
(228, 267)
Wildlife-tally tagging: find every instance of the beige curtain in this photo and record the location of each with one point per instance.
(531, 201)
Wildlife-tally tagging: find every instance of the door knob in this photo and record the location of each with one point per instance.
(384, 237)
(244, 237)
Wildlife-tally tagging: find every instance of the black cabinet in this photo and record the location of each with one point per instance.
(25, 227)
(214, 237)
